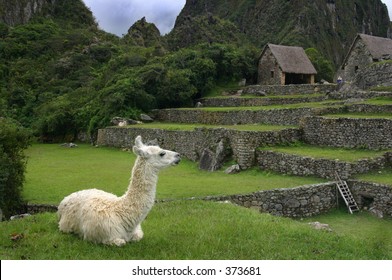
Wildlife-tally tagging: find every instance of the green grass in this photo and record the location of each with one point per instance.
(383, 176)
(321, 104)
(189, 127)
(360, 115)
(184, 229)
(291, 96)
(219, 89)
(348, 155)
(54, 172)
(382, 88)
(208, 230)
(383, 100)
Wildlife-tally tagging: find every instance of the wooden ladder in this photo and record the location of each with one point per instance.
(346, 194)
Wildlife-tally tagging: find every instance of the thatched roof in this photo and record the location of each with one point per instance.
(378, 47)
(291, 59)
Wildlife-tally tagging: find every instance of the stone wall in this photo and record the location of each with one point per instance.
(368, 108)
(343, 95)
(376, 74)
(269, 72)
(359, 57)
(374, 197)
(257, 101)
(373, 134)
(319, 167)
(289, 89)
(190, 144)
(303, 201)
(290, 116)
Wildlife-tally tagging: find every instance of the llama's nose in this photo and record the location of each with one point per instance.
(178, 158)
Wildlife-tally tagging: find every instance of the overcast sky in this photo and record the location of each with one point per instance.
(116, 16)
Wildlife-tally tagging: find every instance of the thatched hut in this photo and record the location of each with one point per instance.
(283, 65)
(365, 50)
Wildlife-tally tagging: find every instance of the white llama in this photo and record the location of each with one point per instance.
(102, 217)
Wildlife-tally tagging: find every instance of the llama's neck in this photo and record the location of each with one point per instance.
(140, 195)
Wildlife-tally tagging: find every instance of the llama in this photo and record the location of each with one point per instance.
(102, 217)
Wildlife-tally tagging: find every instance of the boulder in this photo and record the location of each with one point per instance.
(233, 169)
(145, 118)
(212, 161)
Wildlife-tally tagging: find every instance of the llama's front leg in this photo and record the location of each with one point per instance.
(137, 233)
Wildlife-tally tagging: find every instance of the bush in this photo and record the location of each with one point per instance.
(13, 140)
(324, 67)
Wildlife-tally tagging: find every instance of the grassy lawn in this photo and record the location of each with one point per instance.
(183, 229)
(179, 126)
(349, 155)
(54, 172)
(209, 230)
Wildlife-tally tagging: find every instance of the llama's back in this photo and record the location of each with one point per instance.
(72, 209)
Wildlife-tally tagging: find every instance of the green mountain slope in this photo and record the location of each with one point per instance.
(329, 26)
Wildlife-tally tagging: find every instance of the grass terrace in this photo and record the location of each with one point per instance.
(189, 127)
(382, 177)
(322, 104)
(349, 155)
(360, 115)
(290, 96)
(54, 172)
(383, 100)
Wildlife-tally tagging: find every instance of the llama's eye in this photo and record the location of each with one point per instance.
(162, 154)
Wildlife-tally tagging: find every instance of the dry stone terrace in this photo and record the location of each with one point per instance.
(313, 127)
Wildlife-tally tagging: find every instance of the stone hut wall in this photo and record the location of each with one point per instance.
(376, 74)
(373, 134)
(358, 59)
(269, 72)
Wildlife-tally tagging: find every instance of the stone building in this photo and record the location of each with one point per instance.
(284, 65)
(364, 51)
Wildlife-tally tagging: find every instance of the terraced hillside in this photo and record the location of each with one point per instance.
(306, 134)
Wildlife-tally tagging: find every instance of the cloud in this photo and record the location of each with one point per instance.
(116, 16)
(389, 4)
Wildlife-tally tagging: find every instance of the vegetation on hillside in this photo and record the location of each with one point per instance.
(61, 78)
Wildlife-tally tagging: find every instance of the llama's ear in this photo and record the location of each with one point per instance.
(140, 152)
(138, 141)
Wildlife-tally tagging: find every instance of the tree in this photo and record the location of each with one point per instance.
(324, 67)
(14, 139)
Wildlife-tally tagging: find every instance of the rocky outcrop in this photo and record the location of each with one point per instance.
(17, 12)
(20, 12)
(144, 34)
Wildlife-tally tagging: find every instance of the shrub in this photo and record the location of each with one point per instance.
(13, 140)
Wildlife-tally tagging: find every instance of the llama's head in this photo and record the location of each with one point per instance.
(154, 155)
